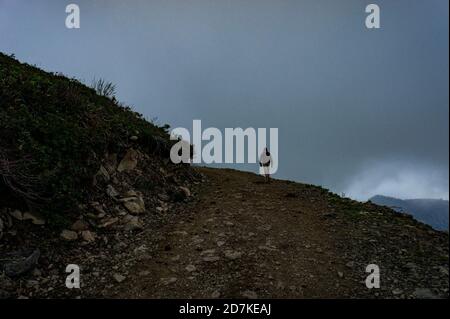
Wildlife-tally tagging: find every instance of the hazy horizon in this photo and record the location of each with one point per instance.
(362, 112)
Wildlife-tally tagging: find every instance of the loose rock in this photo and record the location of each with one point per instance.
(88, 236)
(230, 254)
(18, 262)
(69, 235)
(133, 223)
(134, 205)
(119, 278)
(79, 225)
(129, 162)
(191, 268)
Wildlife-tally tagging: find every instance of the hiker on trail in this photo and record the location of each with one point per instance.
(265, 161)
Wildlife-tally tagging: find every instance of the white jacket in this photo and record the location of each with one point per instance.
(265, 160)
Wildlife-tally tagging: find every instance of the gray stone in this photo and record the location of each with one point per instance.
(191, 268)
(88, 236)
(168, 281)
(129, 161)
(19, 262)
(119, 278)
(186, 191)
(79, 225)
(69, 235)
(133, 223)
(35, 218)
(397, 292)
(350, 264)
(108, 222)
(230, 254)
(134, 205)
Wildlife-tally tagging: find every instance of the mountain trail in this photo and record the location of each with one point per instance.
(243, 238)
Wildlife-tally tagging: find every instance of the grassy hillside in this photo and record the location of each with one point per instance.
(54, 131)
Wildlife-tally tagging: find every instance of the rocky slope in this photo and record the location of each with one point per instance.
(79, 173)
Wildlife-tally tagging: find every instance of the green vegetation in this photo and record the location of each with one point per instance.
(104, 88)
(54, 132)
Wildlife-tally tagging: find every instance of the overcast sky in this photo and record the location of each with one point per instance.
(360, 111)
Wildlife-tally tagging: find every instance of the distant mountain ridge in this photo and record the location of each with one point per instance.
(434, 212)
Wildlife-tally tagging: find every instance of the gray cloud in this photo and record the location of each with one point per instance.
(341, 95)
(398, 178)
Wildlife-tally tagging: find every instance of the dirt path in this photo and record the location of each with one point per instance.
(238, 237)
(243, 238)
